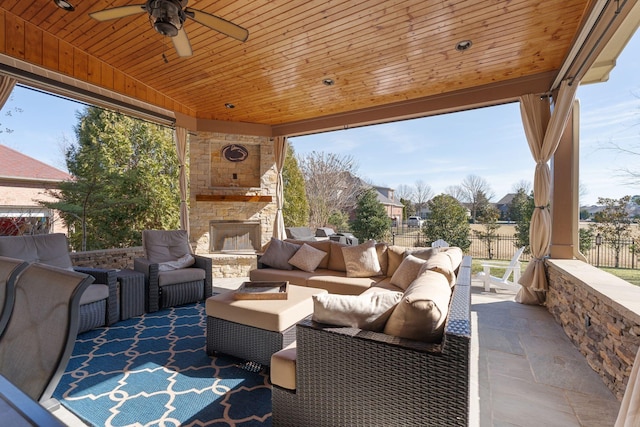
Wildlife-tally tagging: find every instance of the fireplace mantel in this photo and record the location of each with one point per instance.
(232, 198)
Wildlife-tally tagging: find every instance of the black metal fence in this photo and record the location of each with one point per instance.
(503, 247)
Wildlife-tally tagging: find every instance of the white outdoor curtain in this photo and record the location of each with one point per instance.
(280, 152)
(181, 148)
(6, 87)
(543, 129)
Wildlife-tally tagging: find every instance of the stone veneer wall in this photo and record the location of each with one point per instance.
(207, 168)
(591, 306)
(107, 258)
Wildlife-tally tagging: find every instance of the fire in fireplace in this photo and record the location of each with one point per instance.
(235, 236)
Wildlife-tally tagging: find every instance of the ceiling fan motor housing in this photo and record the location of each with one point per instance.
(167, 16)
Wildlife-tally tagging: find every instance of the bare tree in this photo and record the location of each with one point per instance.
(405, 192)
(522, 185)
(330, 183)
(422, 194)
(475, 191)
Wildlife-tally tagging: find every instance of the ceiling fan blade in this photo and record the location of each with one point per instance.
(215, 23)
(118, 12)
(181, 43)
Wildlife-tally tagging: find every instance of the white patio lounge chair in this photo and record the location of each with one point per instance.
(440, 244)
(512, 267)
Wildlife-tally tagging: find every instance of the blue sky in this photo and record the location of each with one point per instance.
(439, 150)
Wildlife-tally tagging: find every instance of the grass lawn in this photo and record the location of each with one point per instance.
(631, 276)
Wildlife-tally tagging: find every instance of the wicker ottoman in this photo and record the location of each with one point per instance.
(255, 329)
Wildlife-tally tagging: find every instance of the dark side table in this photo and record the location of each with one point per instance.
(131, 293)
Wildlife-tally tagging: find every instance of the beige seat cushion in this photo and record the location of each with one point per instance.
(94, 292)
(422, 312)
(283, 367)
(182, 275)
(294, 277)
(336, 282)
(272, 315)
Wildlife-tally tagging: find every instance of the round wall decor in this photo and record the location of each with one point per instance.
(235, 152)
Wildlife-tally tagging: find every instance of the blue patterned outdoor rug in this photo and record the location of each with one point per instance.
(153, 370)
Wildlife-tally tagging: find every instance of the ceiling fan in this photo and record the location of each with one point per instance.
(168, 16)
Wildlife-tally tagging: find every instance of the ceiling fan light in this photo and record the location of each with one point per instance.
(64, 5)
(165, 28)
(167, 17)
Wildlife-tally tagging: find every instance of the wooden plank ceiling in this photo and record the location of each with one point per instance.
(376, 52)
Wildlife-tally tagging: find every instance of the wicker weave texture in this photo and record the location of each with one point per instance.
(246, 342)
(350, 377)
(131, 293)
(181, 293)
(92, 315)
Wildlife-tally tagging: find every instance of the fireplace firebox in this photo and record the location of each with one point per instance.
(235, 237)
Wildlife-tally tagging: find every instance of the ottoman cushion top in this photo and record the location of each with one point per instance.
(272, 315)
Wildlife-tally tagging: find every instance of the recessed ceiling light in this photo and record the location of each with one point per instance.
(229, 105)
(64, 5)
(463, 45)
(328, 82)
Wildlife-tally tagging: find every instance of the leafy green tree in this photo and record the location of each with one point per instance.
(371, 221)
(408, 210)
(586, 239)
(339, 221)
(520, 211)
(489, 220)
(296, 208)
(613, 223)
(448, 221)
(125, 180)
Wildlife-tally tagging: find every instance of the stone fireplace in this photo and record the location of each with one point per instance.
(232, 202)
(236, 237)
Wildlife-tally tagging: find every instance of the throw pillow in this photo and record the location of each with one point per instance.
(424, 253)
(336, 259)
(279, 253)
(455, 254)
(182, 262)
(422, 312)
(395, 255)
(362, 260)
(441, 263)
(307, 258)
(407, 271)
(368, 311)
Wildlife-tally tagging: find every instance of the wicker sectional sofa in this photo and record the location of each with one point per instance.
(341, 375)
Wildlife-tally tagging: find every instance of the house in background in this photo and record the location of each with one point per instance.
(503, 206)
(386, 196)
(23, 182)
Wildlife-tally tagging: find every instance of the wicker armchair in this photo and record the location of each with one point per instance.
(348, 376)
(99, 305)
(176, 286)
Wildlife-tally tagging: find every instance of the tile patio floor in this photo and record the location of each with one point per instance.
(525, 371)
